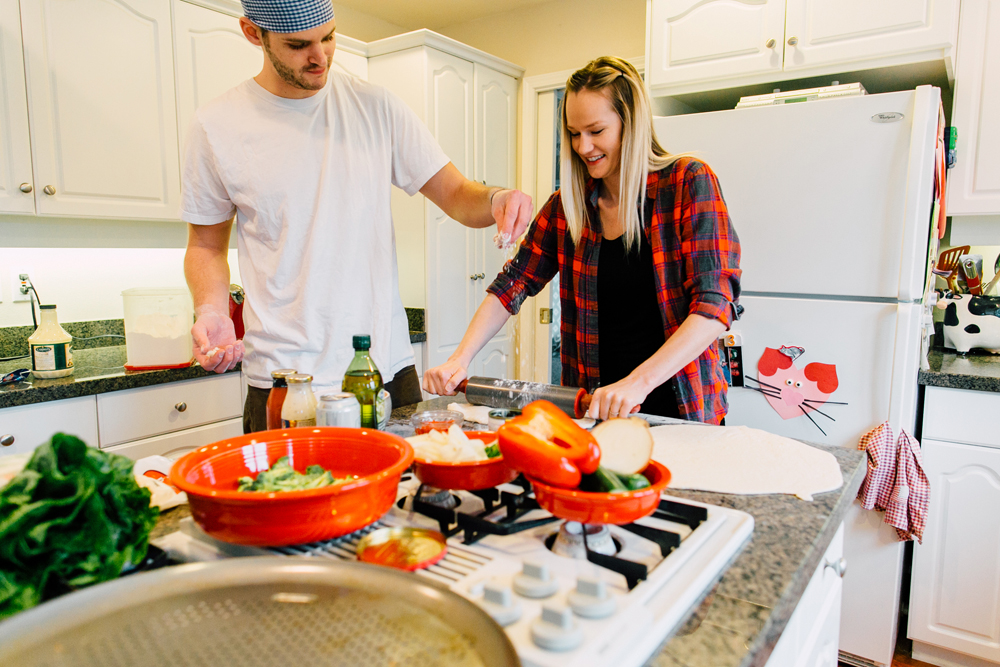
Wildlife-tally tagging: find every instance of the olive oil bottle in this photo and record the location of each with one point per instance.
(364, 381)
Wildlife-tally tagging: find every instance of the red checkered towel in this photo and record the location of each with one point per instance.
(895, 482)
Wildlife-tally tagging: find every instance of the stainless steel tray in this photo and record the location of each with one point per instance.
(263, 612)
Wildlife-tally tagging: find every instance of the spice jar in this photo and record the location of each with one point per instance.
(299, 408)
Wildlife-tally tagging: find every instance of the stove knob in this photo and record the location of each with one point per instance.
(535, 581)
(499, 603)
(591, 599)
(556, 630)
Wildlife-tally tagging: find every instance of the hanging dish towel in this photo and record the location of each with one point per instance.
(895, 482)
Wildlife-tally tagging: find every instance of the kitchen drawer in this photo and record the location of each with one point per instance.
(141, 413)
(961, 415)
(31, 425)
(176, 445)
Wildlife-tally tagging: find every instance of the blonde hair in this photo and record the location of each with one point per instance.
(641, 153)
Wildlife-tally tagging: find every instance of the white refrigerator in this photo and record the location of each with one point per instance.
(832, 202)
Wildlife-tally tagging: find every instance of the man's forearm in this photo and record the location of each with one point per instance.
(206, 268)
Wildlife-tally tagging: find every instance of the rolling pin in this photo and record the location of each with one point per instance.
(515, 394)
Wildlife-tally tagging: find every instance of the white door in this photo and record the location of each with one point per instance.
(212, 57)
(451, 266)
(698, 40)
(101, 99)
(856, 338)
(974, 183)
(496, 153)
(15, 148)
(825, 199)
(819, 32)
(955, 596)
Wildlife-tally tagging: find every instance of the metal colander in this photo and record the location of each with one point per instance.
(258, 612)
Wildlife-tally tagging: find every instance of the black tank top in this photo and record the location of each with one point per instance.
(630, 327)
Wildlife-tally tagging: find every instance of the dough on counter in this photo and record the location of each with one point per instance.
(743, 460)
(477, 414)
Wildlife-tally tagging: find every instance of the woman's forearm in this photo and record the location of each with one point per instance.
(693, 337)
(488, 320)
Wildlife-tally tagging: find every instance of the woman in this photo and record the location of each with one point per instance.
(648, 259)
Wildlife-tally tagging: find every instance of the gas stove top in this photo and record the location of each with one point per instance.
(568, 595)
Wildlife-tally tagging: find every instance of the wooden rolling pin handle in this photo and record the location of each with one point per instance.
(462, 385)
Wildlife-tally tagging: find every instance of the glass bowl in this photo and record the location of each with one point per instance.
(436, 420)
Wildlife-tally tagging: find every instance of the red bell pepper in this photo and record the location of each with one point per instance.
(545, 443)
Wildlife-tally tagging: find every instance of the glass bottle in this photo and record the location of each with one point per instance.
(299, 408)
(364, 381)
(276, 398)
(51, 348)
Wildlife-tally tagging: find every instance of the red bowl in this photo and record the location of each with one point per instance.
(209, 475)
(615, 508)
(466, 475)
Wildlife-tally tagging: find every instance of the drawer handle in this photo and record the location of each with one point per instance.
(6, 440)
(181, 407)
(840, 566)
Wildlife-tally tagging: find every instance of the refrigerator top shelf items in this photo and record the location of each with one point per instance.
(804, 95)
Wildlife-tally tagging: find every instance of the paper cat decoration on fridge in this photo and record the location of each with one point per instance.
(793, 391)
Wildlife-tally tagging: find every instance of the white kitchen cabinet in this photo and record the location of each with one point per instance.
(955, 585)
(16, 180)
(811, 637)
(468, 100)
(25, 427)
(974, 182)
(101, 105)
(212, 56)
(175, 445)
(135, 414)
(698, 45)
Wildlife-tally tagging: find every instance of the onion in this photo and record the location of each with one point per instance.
(626, 444)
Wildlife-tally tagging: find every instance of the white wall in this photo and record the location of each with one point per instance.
(360, 25)
(559, 35)
(82, 266)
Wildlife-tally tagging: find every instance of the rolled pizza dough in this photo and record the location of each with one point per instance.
(743, 460)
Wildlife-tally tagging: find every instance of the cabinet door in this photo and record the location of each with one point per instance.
(451, 265)
(496, 153)
(212, 57)
(955, 586)
(101, 103)
(31, 425)
(15, 149)
(820, 32)
(974, 183)
(700, 40)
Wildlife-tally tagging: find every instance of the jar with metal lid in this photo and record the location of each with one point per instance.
(299, 408)
(340, 409)
(276, 398)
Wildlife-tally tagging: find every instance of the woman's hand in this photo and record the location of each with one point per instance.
(443, 379)
(619, 399)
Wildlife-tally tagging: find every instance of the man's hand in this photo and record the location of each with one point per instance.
(619, 399)
(512, 211)
(442, 380)
(214, 340)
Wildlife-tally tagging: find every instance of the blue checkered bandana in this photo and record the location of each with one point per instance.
(288, 15)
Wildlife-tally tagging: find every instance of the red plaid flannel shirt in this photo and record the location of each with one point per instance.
(696, 258)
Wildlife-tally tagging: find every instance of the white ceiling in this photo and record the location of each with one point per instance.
(434, 14)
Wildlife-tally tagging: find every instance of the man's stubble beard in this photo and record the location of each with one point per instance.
(290, 76)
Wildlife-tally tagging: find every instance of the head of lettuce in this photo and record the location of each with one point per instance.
(73, 517)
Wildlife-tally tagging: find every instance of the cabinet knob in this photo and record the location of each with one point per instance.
(26, 188)
(49, 190)
(181, 407)
(6, 440)
(792, 41)
(770, 43)
(482, 275)
(474, 276)
(840, 566)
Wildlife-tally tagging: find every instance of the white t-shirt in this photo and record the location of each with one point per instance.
(310, 181)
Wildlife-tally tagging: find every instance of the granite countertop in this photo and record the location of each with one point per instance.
(978, 370)
(98, 371)
(742, 617)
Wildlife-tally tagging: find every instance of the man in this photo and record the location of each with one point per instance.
(303, 160)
